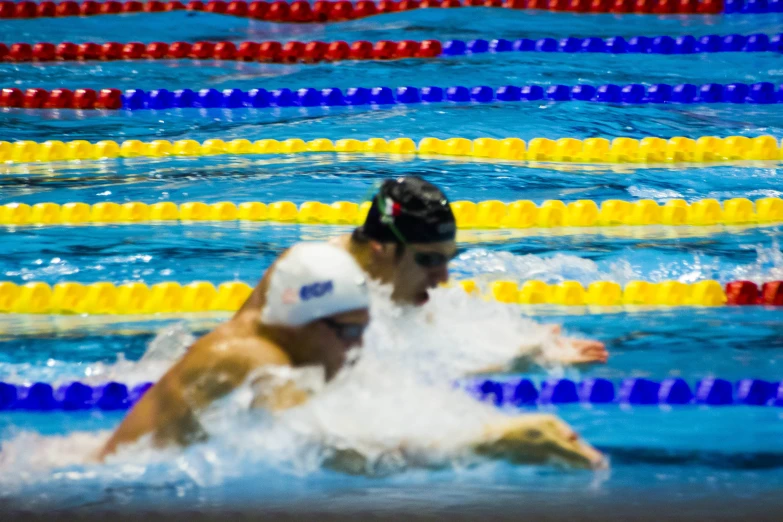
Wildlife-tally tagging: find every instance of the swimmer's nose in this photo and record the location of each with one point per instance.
(439, 275)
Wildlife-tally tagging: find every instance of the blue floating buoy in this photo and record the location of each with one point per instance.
(432, 94)
(755, 6)
(736, 92)
(482, 94)
(755, 392)
(711, 93)
(357, 96)
(183, 99)
(159, 99)
(662, 45)
(675, 391)
(634, 93)
(308, 97)
(593, 45)
(583, 92)
(75, 396)
(561, 391)
(710, 43)
(257, 98)
(639, 391)
(332, 97)
(715, 392)
(596, 391)
(756, 43)
(524, 393)
(478, 46)
(638, 44)
(776, 42)
(408, 95)
(458, 93)
(659, 93)
(763, 92)
(233, 98)
(508, 93)
(531, 92)
(38, 397)
(546, 45)
(775, 6)
(616, 45)
(282, 98)
(491, 390)
(8, 396)
(209, 98)
(113, 396)
(501, 45)
(685, 44)
(685, 93)
(454, 48)
(133, 99)
(558, 92)
(608, 93)
(524, 44)
(732, 43)
(570, 44)
(733, 6)
(382, 96)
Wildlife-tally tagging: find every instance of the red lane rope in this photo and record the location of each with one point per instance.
(319, 12)
(276, 52)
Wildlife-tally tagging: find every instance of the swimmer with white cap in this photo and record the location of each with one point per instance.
(316, 310)
(310, 309)
(408, 239)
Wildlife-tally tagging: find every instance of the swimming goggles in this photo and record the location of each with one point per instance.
(347, 332)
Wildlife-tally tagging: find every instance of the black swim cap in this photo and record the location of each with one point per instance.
(411, 208)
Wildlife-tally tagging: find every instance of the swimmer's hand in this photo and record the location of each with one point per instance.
(580, 351)
(539, 439)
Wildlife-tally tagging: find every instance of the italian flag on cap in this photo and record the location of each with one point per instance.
(392, 208)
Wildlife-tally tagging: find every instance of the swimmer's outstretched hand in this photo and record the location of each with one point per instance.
(539, 439)
(580, 351)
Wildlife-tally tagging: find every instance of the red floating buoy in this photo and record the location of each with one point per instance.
(202, 50)
(772, 293)
(66, 51)
(407, 49)
(337, 51)
(59, 99)
(157, 50)
(44, 52)
(111, 7)
(257, 10)
(291, 52)
(314, 52)
(301, 12)
(21, 52)
(179, 50)
(88, 51)
(224, 51)
(429, 49)
(84, 99)
(11, 97)
(35, 98)
(133, 50)
(110, 99)
(46, 9)
(237, 9)
(248, 51)
(111, 51)
(361, 50)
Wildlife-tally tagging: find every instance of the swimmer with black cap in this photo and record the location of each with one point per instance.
(310, 309)
(408, 239)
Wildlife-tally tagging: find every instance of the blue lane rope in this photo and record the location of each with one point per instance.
(686, 44)
(517, 392)
(757, 93)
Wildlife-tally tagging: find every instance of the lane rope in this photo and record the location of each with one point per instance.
(106, 298)
(520, 393)
(317, 51)
(762, 93)
(321, 12)
(623, 150)
(490, 214)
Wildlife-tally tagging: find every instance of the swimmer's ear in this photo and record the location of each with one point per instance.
(381, 251)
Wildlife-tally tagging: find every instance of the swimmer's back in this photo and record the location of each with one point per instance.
(212, 367)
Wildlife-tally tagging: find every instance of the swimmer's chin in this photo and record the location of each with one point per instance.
(421, 298)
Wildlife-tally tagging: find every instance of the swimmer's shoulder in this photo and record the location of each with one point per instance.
(232, 348)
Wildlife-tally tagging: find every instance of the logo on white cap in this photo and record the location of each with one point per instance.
(313, 281)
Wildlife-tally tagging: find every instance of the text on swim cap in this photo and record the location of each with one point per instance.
(315, 290)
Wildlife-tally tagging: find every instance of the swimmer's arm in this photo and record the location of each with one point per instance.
(537, 439)
(209, 371)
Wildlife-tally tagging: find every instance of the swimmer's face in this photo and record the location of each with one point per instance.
(421, 268)
(328, 340)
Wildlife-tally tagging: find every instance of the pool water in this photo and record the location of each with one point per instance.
(685, 455)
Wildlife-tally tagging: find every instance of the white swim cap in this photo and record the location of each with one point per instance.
(312, 281)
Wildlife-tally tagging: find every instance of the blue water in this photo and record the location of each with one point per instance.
(683, 454)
